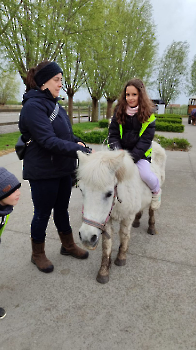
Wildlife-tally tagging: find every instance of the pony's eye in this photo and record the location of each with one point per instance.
(108, 194)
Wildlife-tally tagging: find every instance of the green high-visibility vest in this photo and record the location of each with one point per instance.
(3, 227)
(143, 128)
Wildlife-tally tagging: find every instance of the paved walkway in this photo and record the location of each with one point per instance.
(149, 304)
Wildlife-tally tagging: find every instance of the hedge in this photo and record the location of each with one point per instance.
(177, 116)
(162, 126)
(169, 120)
(103, 123)
(97, 136)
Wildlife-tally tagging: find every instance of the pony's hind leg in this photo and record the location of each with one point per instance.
(151, 222)
(103, 274)
(136, 222)
(124, 233)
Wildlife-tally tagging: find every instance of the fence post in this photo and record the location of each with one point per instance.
(78, 114)
(89, 113)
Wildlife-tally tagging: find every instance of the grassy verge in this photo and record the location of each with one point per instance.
(86, 126)
(175, 144)
(8, 141)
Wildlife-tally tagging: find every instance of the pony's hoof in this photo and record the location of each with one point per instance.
(102, 279)
(151, 231)
(136, 224)
(119, 262)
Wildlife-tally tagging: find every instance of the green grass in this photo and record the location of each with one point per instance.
(8, 141)
(85, 126)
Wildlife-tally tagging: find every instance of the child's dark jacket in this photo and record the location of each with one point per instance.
(131, 141)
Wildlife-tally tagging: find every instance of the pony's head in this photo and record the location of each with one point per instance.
(98, 174)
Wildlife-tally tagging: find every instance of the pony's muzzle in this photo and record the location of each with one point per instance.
(90, 243)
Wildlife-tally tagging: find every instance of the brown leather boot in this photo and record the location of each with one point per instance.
(70, 248)
(39, 257)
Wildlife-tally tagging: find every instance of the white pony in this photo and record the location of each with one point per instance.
(113, 190)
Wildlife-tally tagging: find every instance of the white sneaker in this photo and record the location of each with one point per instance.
(156, 200)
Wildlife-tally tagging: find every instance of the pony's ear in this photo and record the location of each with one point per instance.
(116, 160)
(82, 156)
(119, 166)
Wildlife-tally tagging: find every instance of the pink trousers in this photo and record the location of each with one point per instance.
(147, 175)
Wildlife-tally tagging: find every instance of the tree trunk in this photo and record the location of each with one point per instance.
(94, 109)
(70, 94)
(109, 108)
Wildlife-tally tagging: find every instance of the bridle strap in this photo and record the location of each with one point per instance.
(97, 224)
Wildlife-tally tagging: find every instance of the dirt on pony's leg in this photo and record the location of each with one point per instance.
(136, 222)
(103, 274)
(124, 233)
(151, 222)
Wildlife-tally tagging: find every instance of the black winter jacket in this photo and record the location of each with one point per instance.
(52, 153)
(131, 141)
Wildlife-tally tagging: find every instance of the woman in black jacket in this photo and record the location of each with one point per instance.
(49, 160)
(132, 128)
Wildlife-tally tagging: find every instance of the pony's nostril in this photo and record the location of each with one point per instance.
(93, 239)
(80, 236)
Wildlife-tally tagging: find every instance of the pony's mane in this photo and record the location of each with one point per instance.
(98, 169)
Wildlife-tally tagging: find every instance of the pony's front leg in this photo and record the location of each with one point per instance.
(151, 222)
(124, 233)
(103, 274)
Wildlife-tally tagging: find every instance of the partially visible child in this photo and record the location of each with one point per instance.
(132, 128)
(9, 196)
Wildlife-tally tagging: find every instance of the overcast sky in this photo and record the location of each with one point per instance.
(174, 20)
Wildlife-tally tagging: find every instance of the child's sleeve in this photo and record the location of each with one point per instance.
(114, 139)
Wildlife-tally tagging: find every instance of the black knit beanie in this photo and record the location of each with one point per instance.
(47, 73)
(8, 183)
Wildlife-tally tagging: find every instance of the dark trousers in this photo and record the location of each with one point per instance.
(47, 195)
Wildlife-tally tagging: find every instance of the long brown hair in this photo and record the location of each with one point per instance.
(145, 105)
(30, 82)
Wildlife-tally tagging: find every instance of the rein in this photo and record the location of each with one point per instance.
(97, 224)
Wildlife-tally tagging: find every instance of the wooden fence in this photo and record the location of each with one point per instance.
(176, 110)
(78, 111)
(86, 112)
